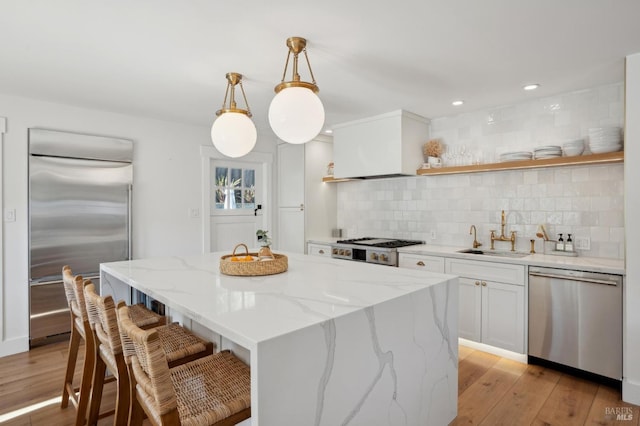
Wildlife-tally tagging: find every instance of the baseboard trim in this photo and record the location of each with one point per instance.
(493, 350)
(630, 391)
(14, 346)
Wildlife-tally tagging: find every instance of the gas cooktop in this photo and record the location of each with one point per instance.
(380, 242)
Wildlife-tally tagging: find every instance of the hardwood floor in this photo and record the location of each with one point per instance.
(492, 391)
(498, 391)
(31, 385)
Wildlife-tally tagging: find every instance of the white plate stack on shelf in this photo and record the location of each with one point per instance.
(550, 151)
(515, 156)
(605, 139)
(573, 148)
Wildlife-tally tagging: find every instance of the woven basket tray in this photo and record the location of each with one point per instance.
(277, 265)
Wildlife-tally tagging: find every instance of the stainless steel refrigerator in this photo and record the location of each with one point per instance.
(79, 215)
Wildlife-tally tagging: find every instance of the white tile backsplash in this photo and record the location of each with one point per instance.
(586, 201)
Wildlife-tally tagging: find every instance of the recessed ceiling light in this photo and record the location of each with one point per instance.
(328, 131)
(531, 86)
(457, 103)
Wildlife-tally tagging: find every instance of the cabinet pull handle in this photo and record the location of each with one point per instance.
(477, 282)
(301, 207)
(321, 251)
(484, 283)
(420, 263)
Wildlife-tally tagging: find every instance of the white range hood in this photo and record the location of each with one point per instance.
(381, 146)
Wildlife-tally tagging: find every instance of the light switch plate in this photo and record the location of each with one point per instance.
(194, 213)
(582, 243)
(9, 215)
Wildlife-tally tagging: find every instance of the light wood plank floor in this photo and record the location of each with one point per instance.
(497, 391)
(492, 391)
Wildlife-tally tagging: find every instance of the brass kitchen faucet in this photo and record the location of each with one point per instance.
(503, 237)
(473, 231)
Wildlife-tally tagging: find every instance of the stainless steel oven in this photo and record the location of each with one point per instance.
(382, 251)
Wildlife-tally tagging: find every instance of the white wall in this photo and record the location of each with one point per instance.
(631, 335)
(320, 198)
(167, 182)
(3, 128)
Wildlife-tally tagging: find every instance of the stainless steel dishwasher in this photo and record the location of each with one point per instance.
(575, 319)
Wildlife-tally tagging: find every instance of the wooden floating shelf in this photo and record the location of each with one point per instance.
(610, 157)
(331, 179)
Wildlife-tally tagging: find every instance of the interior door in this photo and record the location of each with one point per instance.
(236, 203)
(291, 198)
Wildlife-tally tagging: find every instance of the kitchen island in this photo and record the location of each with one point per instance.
(331, 342)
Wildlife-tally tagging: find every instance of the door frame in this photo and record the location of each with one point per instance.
(209, 153)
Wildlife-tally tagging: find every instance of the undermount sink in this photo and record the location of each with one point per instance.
(494, 253)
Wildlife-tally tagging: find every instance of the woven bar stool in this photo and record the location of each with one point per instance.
(180, 345)
(80, 329)
(214, 390)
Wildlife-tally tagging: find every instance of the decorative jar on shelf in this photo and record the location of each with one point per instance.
(330, 169)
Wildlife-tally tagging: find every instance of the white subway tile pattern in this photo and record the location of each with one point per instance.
(585, 201)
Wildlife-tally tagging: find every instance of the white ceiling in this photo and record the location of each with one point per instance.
(167, 59)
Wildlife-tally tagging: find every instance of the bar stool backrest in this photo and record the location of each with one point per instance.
(75, 296)
(149, 366)
(102, 316)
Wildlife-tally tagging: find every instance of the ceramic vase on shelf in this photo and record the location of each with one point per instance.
(434, 161)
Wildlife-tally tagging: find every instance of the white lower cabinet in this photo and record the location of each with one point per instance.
(419, 261)
(492, 302)
(319, 249)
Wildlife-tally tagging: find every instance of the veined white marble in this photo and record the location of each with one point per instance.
(332, 342)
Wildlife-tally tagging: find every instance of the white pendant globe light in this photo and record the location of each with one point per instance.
(233, 132)
(296, 113)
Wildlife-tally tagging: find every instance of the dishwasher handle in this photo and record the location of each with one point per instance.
(571, 278)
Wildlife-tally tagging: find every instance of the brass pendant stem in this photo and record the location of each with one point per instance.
(233, 79)
(296, 45)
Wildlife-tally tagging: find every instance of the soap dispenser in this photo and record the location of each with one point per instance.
(568, 245)
(560, 243)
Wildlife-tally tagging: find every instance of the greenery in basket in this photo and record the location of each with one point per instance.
(263, 238)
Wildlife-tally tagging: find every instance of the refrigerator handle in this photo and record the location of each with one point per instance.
(129, 209)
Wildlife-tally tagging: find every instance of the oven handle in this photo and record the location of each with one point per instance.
(571, 278)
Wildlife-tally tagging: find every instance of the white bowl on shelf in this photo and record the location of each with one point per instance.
(606, 148)
(573, 148)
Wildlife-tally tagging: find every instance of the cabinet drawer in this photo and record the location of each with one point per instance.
(319, 250)
(418, 261)
(488, 271)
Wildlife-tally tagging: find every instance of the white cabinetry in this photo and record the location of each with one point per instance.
(319, 250)
(492, 302)
(423, 262)
(306, 206)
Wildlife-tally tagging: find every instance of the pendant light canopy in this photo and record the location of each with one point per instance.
(296, 113)
(233, 132)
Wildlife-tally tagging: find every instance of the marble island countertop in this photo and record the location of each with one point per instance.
(591, 264)
(250, 310)
(342, 342)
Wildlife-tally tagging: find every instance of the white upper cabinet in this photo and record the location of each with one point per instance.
(387, 144)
